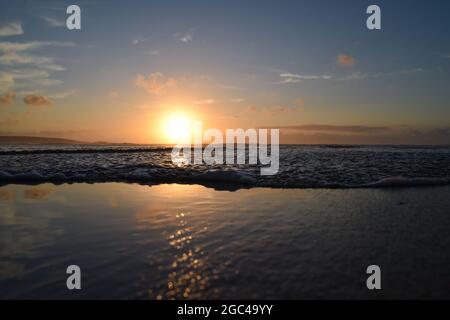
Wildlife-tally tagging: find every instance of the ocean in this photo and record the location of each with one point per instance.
(301, 166)
(141, 228)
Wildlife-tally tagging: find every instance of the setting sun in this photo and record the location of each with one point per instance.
(178, 128)
(224, 151)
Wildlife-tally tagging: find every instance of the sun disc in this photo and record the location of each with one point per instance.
(178, 128)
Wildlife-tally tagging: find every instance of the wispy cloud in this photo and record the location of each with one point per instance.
(11, 29)
(13, 53)
(237, 100)
(54, 22)
(13, 58)
(185, 37)
(227, 87)
(363, 134)
(61, 94)
(295, 78)
(362, 76)
(24, 46)
(345, 60)
(398, 72)
(155, 83)
(206, 101)
(337, 128)
(26, 68)
(26, 78)
(290, 80)
(305, 77)
(139, 40)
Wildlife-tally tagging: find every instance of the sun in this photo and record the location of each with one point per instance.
(178, 128)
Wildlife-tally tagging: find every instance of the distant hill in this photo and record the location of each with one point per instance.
(36, 140)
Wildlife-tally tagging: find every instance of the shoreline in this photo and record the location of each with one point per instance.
(388, 183)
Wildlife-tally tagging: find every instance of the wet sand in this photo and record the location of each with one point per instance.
(187, 241)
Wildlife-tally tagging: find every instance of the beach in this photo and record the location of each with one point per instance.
(242, 158)
(180, 241)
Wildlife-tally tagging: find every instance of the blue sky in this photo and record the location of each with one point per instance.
(290, 64)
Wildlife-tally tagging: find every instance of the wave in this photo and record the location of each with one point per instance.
(217, 178)
(83, 150)
(300, 167)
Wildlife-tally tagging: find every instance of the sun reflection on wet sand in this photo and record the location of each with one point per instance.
(189, 274)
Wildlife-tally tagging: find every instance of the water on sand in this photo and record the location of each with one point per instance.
(188, 241)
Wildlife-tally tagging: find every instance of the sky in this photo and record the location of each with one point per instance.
(310, 68)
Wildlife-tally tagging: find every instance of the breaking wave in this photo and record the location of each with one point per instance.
(221, 178)
(300, 167)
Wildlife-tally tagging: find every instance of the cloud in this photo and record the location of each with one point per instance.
(345, 60)
(362, 76)
(295, 78)
(54, 22)
(27, 69)
(227, 87)
(62, 94)
(16, 54)
(11, 29)
(12, 58)
(155, 83)
(7, 98)
(185, 37)
(237, 100)
(356, 76)
(337, 128)
(37, 100)
(27, 78)
(305, 77)
(154, 52)
(206, 101)
(290, 80)
(365, 135)
(139, 40)
(398, 72)
(23, 46)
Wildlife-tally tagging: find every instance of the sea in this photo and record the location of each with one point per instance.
(301, 166)
(141, 227)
